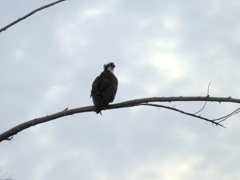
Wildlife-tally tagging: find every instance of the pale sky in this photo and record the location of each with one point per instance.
(160, 48)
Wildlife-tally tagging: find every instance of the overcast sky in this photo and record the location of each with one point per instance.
(161, 48)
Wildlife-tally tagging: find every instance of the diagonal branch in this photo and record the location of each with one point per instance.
(7, 135)
(186, 113)
(29, 14)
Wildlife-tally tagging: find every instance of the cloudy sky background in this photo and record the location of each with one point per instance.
(160, 48)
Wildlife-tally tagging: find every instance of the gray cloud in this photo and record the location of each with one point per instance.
(173, 48)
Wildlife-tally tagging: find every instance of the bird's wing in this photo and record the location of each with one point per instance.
(95, 85)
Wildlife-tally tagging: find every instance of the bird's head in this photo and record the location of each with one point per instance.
(110, 67)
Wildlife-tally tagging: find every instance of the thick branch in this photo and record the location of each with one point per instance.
(29, 14)
(136, 102)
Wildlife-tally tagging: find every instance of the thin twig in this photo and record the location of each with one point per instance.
(205, 101)
(224, 118)
(209, 88)
(183, 112)
(29, 14)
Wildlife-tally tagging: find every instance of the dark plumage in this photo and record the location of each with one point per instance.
(104, 88)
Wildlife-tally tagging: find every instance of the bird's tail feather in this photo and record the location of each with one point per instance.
(98, 109)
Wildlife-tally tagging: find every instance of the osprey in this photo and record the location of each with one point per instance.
(104, 88)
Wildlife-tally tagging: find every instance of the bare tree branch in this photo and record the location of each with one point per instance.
(186, 113)
(8, 135)
(29, 14)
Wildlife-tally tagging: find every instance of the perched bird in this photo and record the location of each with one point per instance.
(104, 88)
